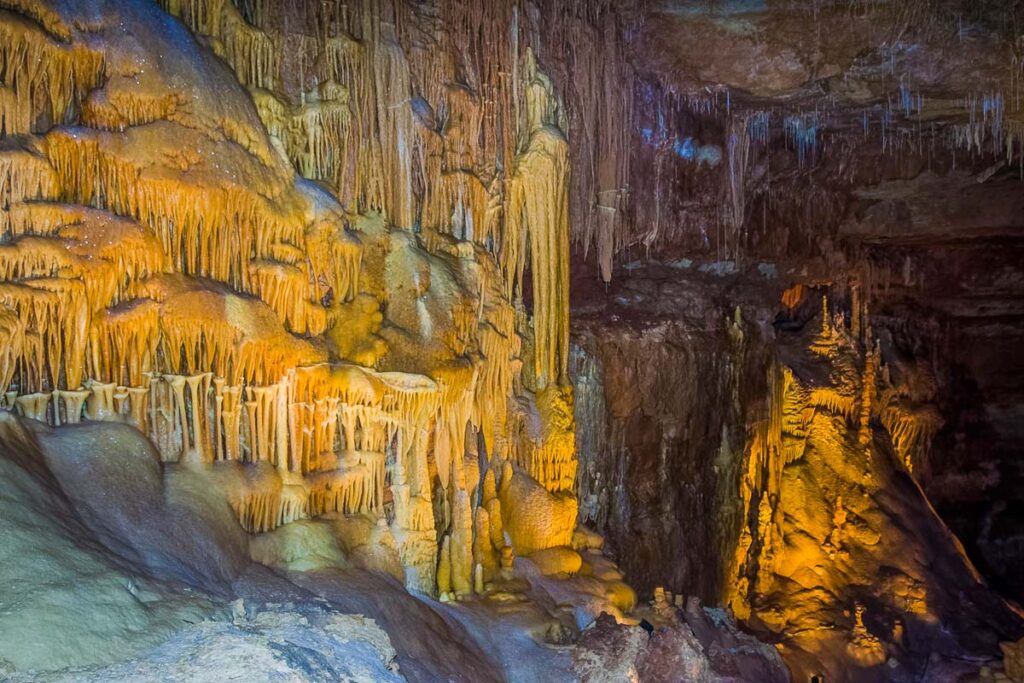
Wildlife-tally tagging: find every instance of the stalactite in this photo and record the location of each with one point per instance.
(120, 109)
(537, 215)
(283, 287)
(317, 136)
(35, 68)
(206, 232)
(459, 203)
(229, 401)
(549, 456)
(250, 52)
(265, 511)
(601, 161)
(318, 132)
(24, 175)
(359, 175)
(123, 342)
(12, 341)
(835, 402)
(335, 257)
(912, 429)
(738, 154)
(234, 337)
(351, 490)
(364, 53)
(198, 394)
(109, 254)
(395, 119)
(56, 315)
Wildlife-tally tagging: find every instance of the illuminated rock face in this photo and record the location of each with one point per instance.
(840, 555)
(356, 349)
(753, 461)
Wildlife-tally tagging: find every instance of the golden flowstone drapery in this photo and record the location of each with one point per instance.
(165, 263)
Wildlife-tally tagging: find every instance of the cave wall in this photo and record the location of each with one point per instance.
(841, 554)
(659, 430)
(939, 269)
(767, 448)
(873, 150)
(275, 240)
(670, 370)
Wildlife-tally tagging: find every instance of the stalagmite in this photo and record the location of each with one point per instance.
(497, 531)
(138, 407)
(198, 387)
(100, 402)
(162, 419)
(826, 321)
(462, 545)
(120, 400)
(489, 489)
(865, 648)
(507, 559)
(485, 555)
(444, 568)
(73, 402)
(34, 406)
(478, 579)
(229, 401)
(180, 413)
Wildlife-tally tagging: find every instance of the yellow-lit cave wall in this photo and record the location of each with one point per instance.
(317, 283)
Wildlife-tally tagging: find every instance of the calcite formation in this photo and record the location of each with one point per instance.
(839, 552)
(310, 282)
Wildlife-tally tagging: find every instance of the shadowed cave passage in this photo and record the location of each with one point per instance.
(569, 340)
